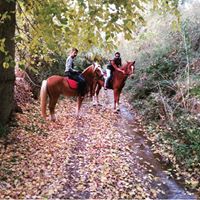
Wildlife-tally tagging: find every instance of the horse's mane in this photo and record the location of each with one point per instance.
(125, 65)
(86, 69)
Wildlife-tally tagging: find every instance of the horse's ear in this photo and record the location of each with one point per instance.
(134, 62)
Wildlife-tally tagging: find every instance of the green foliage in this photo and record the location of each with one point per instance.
(81, 63)
(195, 91)
(155, 77)
(183, 137)
(186, 139)
(43, 69)
(166, 82)
(163, 68)
(3, 17)
(56, 26)
(2, 45)
(77, 23)
(8, 62)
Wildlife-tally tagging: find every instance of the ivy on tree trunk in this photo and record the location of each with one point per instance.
(7, 55)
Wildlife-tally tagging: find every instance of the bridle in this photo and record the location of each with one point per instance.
(97, 77)
(132, 66)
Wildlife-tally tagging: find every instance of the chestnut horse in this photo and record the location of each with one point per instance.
(56, 85)
(116, 83)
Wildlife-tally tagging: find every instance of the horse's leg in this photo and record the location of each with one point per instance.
(91, 90)
(43, 98)
(79, 102)
(99, 85)
(52, 103)
(94, 100)
(97, 93)
(93, 93)
(116, 100)
(119, 92)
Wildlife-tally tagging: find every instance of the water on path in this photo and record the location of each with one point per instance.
(172, 189)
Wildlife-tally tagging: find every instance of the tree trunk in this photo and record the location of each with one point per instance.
(7, 56)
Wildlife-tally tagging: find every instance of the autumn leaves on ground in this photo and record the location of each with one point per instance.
(85, 158)
(94, 157)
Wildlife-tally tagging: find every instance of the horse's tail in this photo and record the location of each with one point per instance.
(43, 98)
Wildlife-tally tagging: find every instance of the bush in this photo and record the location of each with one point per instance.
(186, 139)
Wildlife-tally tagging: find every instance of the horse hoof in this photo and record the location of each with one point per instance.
(52, 118)
(78, 116)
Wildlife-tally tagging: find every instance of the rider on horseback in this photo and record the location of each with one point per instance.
(113, 65)
(74, 74)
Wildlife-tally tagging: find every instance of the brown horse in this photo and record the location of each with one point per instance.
(116, 83)
(55, 85)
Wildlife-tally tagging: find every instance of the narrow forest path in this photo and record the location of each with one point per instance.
(111, 160)
(100, 156)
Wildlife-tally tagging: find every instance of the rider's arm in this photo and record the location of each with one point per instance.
(115, 66)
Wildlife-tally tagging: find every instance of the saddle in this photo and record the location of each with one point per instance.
(72, 83)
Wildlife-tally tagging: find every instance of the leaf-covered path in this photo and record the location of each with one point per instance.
(100, 156)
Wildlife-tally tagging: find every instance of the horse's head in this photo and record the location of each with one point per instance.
(129, 68)
(94, 71)
(97, 70)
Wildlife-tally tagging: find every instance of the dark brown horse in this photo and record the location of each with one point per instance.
(116, 83)
(55, 85)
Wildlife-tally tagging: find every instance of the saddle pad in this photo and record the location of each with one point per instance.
(72, 83)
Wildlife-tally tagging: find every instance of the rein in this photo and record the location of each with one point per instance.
(125, 69)
(99, 77)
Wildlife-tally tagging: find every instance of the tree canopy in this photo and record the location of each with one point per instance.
(57, 25)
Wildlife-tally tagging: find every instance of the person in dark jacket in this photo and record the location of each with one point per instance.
(112, 66)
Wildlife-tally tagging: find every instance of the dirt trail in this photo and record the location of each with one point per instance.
(100, 156)
(109, 159)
